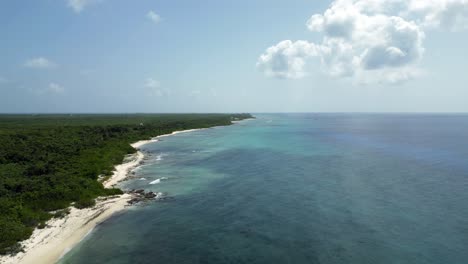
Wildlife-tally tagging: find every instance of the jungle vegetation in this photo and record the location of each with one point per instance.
(49, 162)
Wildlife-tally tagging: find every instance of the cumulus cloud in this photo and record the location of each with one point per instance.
(338, 57)
(286, 59)
(40, 63)
(367, 40)
(151, 15)
(80, 5)
(445, 14)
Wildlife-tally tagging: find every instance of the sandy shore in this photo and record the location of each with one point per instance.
(48, 245)
(140, 143)
(175, 133)
(122, 170)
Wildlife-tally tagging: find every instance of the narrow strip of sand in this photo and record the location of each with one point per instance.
(121, 171)
(49, 244)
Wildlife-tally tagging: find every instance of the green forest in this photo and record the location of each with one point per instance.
(49, 162)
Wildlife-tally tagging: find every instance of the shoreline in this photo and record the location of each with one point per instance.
(50, 244)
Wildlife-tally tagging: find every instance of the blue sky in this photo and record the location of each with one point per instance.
(233, 56)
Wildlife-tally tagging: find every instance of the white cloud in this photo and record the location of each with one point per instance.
(54, 88)
(445, 14)
(379, 41)
(151, 15)
(40, 63)
(80, 5)
(286, 59)
(338, 58)
(154, 88)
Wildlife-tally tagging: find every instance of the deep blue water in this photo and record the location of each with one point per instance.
(299, 188)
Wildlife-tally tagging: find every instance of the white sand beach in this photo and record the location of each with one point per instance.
(49, 244)
(177, 132)
(122, 170)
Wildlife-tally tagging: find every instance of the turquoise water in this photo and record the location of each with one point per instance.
(299, 188)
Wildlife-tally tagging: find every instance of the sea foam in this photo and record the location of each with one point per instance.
(155, 181)
(158, 180)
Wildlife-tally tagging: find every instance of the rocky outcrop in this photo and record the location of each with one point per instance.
(141, 196)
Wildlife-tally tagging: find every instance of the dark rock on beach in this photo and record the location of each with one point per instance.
(140, 195)
(150, 195)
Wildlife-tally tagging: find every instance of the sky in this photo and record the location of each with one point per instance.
(120, 56)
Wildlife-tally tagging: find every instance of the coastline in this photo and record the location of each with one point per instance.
(48, 245)
(60, 235)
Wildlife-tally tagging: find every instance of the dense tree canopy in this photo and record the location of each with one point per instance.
(48, 162)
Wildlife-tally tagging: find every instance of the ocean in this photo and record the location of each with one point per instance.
(298, 188)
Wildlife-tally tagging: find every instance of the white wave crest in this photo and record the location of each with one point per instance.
(158, 180)
(155, 181)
